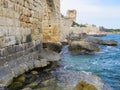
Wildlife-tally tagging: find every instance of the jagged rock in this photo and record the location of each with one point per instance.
(83, 47)
(52, 46)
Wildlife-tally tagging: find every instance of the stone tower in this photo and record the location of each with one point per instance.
(72, 14)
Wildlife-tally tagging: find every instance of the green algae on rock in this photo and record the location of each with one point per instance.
(84, 86)
(15, 85)
(34, 72)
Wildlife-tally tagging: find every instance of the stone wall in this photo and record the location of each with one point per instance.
(66, 23)
(24, 24)
(88, 29)
(67, 26)
(51, 21)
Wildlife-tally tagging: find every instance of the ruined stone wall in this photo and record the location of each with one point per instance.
(71, 14)
(89, 29)
(22, 25)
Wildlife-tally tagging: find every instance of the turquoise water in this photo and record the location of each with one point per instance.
(105, 63)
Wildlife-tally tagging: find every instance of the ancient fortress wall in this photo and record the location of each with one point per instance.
(24, 24)
(67, 26)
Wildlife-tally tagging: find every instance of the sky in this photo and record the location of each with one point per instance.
(99, 12)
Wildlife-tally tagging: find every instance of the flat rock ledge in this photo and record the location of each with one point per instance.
(25, 63)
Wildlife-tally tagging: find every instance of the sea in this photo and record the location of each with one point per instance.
(105, 63)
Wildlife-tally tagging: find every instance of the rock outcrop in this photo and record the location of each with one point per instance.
(69, 80)
(101, 42)
(83, 47)
(52, 46)
(17, 67)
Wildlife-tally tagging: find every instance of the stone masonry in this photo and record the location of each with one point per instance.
(67, 26)
(51, 21)
(24, 24)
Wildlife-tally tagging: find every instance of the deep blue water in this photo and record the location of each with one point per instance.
(105, 63)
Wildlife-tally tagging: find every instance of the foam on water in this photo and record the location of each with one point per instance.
(105, 63)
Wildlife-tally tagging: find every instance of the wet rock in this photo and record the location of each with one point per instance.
(15, 85)
(70, 79)
(34, 72)
(84, 86)
(27, 89)
(32, 85)
(21, 78)
(14, 68)
(46, 88)
(83, 47)
(48, 82)
(52, 46)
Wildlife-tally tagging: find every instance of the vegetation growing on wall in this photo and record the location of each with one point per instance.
(78, 25)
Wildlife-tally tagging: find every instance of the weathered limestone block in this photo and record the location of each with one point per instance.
(11, 31)
(35, 37)
(26, 4)
(7, 41)
(2, 21)
(36, 31)
(24, 18)
(1, 11)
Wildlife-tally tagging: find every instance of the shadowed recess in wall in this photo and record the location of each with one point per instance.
(50, 4)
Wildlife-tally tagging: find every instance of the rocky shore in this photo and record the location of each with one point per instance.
(25, 63)
(13, 74)
(83, 44)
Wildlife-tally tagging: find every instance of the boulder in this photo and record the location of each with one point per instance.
(83, 47)
(52, 46)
